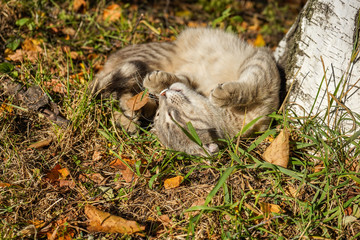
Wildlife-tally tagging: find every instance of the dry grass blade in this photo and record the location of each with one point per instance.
(42, 143)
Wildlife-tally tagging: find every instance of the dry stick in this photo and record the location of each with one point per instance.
(350, 88)
(135, 27)
(327, 93)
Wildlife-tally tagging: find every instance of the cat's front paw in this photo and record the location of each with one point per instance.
(157, 81)
(223, 95)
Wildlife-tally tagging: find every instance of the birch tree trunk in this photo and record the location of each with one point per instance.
(320, 57)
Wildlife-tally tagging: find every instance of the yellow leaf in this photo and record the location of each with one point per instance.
(112, 13)
(173, 182)
(31, 44)
(79, 6)
(268, 208)
(5, 108)
(278, 151)
(138, 101)
(259, 41)
(64, 172)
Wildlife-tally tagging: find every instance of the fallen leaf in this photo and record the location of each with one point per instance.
(57, 173)
(20, 55)
(268, 208)
(118, 163)
(31, 45)
(165, 220)
(105, 222)
(112, 13)
(42, 143)
(278, 151)
(79, 6)
(95, 177)
(3, 185)
(259, 41)
(68, 31)
(319, 167)
(138, 101)
(67, 183)
(74, 55)
(56, 86)
(173, 182)
(64, 172)
(60, 231)
(292, 192)
(5, 108)
(97, 155)
(127, 173)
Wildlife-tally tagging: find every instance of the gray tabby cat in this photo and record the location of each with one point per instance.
(207, 77)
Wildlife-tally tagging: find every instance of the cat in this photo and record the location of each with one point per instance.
(208, 77)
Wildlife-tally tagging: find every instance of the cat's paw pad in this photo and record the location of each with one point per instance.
(222, 95)
(157, 81)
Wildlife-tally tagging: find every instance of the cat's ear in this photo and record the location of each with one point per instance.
(211, 148)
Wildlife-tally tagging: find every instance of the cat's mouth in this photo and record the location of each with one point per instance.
(166, 90)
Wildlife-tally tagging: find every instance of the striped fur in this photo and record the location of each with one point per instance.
(211, 78)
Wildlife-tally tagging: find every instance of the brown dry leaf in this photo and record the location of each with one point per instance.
(138, 101)
(30, 50)
(41, 144)
(96, 177)
(117, 163)
(68, 31)
(20, 55)
(278, 151)
(165, 220)
(268, 208)
(60, 231)
(127, 173)
(79, 6)
(74, 55)
(292, 192)
(56, 86)
(112, 13)
(319, 167)
(173, 182)
(97, 155)
(105, 222)
(67, 183)
(54, 174)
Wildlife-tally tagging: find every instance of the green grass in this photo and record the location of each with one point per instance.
(220, 197)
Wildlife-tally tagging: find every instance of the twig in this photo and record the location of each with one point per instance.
(136, 25)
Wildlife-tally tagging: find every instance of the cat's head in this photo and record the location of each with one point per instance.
(179, 105)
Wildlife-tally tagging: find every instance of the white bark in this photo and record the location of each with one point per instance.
(325, 29)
